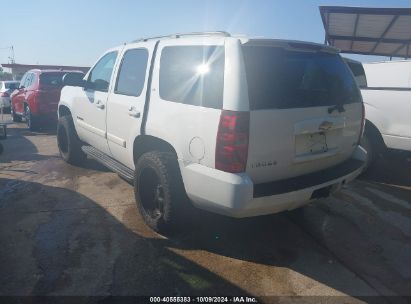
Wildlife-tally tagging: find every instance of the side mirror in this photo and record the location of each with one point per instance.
(20, 88)
(74, 80)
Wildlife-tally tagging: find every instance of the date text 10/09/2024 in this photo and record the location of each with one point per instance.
(203, 300)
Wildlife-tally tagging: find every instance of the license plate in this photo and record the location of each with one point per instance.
(311, 143)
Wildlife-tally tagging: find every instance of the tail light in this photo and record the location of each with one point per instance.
(362, 123)
(4, 94)
(232, 141)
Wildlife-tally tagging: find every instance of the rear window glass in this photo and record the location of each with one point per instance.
(193, 75)
(54, 79)
(282, 79)
(11, 85)
(359, 73)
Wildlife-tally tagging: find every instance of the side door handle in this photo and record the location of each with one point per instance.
(133, 112)
(99, 104)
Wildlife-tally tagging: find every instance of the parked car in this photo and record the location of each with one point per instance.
(386, 91)
(6, 88)
(38, 95)
(237, 126)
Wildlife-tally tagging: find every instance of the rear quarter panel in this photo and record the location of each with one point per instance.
(191, 130)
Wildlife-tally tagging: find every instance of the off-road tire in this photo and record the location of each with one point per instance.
(68, 142)
(175, 203)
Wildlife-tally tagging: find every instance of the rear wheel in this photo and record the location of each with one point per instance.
(68, 141)
(159, 191)
(16, 118)
(372, 143)
(28, 117)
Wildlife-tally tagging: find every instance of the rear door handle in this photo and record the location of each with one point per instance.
(99, 104)
(133, 112)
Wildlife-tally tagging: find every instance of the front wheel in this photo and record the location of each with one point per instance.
(159, 191)
(68, 141)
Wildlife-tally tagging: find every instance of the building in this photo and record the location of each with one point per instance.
(18, 70)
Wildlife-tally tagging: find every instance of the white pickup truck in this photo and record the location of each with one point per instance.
(236, 126)
(386, 92)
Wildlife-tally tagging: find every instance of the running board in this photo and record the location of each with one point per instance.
(109, 162)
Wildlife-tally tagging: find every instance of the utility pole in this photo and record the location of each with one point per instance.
(11, 57)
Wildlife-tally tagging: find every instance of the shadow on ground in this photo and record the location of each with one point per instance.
(392, 168)
(367, 226)
(18, 147)
(61, 242)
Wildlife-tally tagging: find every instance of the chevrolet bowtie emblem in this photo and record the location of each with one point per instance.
(325, 125)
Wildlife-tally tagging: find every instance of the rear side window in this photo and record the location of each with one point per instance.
(282, 79)
(132, 73)
(193, 75)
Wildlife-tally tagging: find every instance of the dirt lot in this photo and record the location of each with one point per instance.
(68, 230)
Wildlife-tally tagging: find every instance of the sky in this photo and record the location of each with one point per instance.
(77, 32)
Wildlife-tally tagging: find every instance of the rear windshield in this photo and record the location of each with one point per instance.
(282, 79)
(11, 85)
(52, 79)
(55, 78)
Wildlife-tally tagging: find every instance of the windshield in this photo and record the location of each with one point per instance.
(281, 79)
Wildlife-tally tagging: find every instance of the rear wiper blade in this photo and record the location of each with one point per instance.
(339, 107)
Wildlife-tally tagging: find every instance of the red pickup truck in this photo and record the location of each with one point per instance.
(36, 99)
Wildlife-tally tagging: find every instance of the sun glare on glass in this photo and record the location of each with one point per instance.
(203, 69)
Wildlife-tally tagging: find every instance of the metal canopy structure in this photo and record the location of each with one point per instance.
(368, 31)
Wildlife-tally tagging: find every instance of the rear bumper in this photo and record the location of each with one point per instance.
(43, 109)
(235, 195)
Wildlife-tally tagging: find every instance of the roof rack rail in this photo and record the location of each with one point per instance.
(178, 35)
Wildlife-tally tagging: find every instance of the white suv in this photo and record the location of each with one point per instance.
(386, 91)
(236, 126)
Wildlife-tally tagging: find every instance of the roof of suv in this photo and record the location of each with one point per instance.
(244, 39)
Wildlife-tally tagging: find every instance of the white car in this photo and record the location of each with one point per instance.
(237, 126)
(386, 91)
(6, 88)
